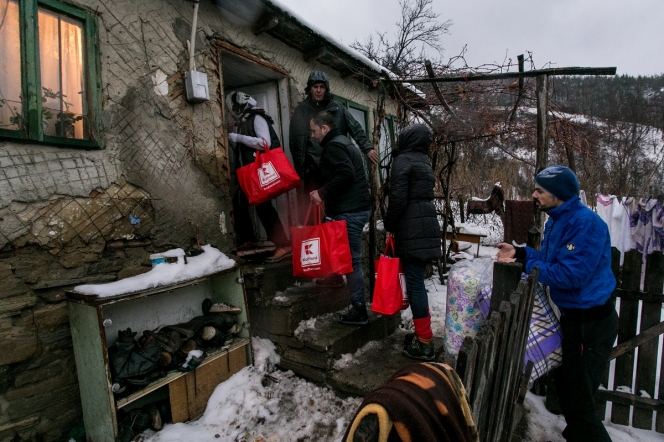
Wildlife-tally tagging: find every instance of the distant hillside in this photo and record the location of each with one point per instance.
(620, 98)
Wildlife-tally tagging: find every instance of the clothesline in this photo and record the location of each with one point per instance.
(634, 223)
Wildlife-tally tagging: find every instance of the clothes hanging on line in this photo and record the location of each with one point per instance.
(634, 223)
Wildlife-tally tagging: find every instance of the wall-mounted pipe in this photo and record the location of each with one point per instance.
(192, 39)
(195, 82)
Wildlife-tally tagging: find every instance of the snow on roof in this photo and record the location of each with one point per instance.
(346, 49)
(212, 261)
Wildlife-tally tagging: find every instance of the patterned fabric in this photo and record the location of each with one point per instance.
(646, 223)
(544, 345)
(421, 402)
(463, 318)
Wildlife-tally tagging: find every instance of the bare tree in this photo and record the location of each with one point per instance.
(418, 29)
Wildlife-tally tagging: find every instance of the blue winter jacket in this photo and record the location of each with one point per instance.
(575, 260)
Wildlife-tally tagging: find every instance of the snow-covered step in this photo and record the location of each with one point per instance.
(319, 342)
(372, 365)
(281, 314)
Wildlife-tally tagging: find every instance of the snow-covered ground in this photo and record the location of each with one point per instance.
(263, 404)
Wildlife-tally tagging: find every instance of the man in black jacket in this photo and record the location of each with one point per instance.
(345, 192)
(305, 150)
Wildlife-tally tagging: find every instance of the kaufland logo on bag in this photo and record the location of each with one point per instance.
(267, 174)
(310, 255)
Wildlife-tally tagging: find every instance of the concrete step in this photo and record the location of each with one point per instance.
(282, 313)
(319, 342)
(372, 365)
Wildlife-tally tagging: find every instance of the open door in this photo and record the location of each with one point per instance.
(268, 87)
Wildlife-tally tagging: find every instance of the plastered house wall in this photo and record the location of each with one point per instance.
(71, 216)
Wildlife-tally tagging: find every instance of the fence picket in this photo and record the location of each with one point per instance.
(631, 275)
(646, 367)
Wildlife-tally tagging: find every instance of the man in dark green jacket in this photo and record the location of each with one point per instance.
(345, 192)
(305, 150)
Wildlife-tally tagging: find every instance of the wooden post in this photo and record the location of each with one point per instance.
(542, 143)
(374, 185)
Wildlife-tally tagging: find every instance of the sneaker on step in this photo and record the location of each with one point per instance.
(280, 254)
(419, 350)
(355, 316)
(334, 281)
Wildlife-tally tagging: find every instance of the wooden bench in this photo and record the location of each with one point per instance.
(467, 237)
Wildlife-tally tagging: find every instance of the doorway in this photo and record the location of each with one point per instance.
(269, 88)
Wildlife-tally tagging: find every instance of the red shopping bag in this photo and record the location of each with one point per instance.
(390, 289)
(322, 249)
(267, 177)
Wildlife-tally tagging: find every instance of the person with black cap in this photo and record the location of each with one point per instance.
(575, 262)
(306, 151)
(251, 128)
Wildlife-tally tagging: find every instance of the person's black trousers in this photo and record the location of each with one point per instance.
(269, 219)
(588, 337)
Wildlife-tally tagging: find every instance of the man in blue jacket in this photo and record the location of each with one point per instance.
(575, 262)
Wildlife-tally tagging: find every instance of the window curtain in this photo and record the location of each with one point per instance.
(61, 64)
(11, 108)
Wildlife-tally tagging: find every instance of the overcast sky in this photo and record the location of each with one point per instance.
(627, 34)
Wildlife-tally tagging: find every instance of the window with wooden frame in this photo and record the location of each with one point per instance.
(49, 74)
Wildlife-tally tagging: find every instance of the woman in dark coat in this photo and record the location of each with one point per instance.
(411, 218)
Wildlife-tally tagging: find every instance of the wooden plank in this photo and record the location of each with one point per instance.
(638, 402)
(466, 362)
(600, 404)
(654, 280)
(494, 325)
(206, 378)
(521, 337)
(642, 338)
(98, 300)
(496, 415)
(506, 277)
(637, 295)
(513, 365)
(94, 380)
(525, 380)
(508, 75)
(177, 392)
(620, 413)
(485, 339)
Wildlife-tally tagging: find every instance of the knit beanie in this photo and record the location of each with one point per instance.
(559, 181)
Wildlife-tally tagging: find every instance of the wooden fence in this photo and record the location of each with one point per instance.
(490, 365)
(640, 312)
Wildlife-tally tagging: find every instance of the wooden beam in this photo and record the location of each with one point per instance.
(635, 295)
(228, 47)
(642, 338)
(439, 95)
(314, 54)
(508, 75)
(618, 397)
(346, 74)
(264, 24)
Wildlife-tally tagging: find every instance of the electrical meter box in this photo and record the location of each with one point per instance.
(196, 84)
